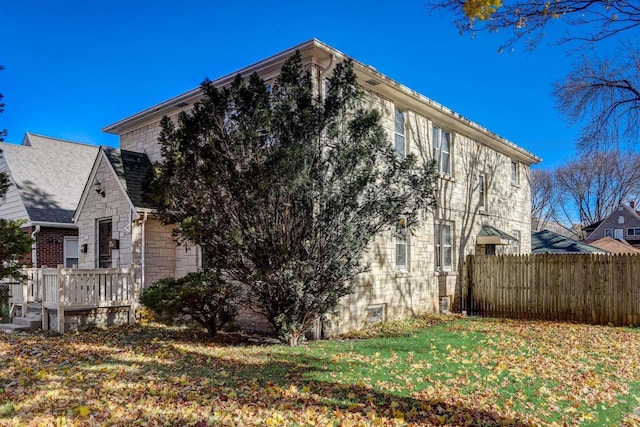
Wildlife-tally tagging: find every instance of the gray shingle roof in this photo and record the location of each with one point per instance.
(546, 241)
(133, 171)
(50, 175)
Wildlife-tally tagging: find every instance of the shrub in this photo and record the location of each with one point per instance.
(204, 296)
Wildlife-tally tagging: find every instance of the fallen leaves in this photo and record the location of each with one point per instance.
(470, 372)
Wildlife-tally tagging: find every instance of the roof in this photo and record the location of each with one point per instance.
(589, 228)
(49, 174)
(325, 56)
(132, 169)
(615, 246)
(545, 241)
(490, 235)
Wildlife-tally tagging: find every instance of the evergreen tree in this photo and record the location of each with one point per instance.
(284, 190)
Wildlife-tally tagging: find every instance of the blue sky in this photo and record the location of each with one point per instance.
(72, 67)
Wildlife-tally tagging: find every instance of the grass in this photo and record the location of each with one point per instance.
(428, 371)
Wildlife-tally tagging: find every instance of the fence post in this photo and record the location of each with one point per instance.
(470, 260)
(61, 283)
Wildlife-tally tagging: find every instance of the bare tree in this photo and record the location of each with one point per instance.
(590, 187)
(542, 198)
(604, 93)
(586, 20)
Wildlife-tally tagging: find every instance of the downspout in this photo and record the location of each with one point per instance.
(144, 220)
(34, 247)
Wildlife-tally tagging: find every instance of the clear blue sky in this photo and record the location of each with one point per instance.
(75, 66)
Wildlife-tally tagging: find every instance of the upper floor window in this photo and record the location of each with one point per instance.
(442, 150)
(443, 245)
(399, 133)
(482, 191)
(515, 172)
(633, 231)
(608, 233)
(621, 219)
(618, 234)
(515, 246)
(401, 244)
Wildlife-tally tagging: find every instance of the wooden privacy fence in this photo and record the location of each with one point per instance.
(597, 289)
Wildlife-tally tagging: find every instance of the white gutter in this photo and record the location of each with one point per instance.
(144, 220)
(53, 224)
(34, 247)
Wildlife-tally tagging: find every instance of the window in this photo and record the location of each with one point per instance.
(443, 247)
(401, 244)
(70, 252)
(633, 231)
(515, 172)
(607, 233)
(375, 313)
(104, 243)
(482, 193)
(442, 150)
(618, 234)
(515, 246)
(621, 219)
(399, 133)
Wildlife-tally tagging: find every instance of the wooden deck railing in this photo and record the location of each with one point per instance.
(65, 289)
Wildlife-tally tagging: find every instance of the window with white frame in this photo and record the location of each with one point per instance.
(443, 245)
(400, 133)
(70, 252)
(401, 244)
(442, 150)
(621, 219)
(515, 246)
(482, 191)
(618, 234)
(633, 231)
(515, 172)
(608, 232)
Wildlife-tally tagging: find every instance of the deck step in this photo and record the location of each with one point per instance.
(11, 328)
(31, 322)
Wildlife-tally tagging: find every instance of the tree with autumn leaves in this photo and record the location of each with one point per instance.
(284, 190)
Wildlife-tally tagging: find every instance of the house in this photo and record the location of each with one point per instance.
(614, 246)
(549, 242)
(47, 176)
(483, 190)
(623, 223)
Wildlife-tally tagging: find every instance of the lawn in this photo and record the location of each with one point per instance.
(433, 371)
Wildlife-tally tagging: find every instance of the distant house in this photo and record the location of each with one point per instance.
(47, 177)
(615, 246)
(548, 242)
(621, 224)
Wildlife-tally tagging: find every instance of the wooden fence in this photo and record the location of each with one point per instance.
(597, 289)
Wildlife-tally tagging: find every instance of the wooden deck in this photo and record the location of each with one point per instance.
(66, 289)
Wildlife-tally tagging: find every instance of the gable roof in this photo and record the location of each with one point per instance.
(597, 225)
(132, 170)
(548, 242)
(49, 174)
(615, 246)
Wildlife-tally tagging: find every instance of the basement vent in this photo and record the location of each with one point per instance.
(445, 305)
(372, 82)
(375, 313)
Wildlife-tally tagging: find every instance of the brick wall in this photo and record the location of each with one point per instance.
(50, 245)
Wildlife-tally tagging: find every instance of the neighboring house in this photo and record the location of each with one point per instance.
(614, 246)
(47, 177)
(621, 224)
(483, 193)
(548, 242)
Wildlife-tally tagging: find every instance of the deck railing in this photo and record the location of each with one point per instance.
(69, 289)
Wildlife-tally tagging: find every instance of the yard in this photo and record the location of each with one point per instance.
(431, 371)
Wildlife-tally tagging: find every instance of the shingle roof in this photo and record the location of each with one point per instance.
(49, 174)
(546, 241)
(133, 171)
(615, 246)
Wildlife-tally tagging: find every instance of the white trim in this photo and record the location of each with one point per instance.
(53, 224)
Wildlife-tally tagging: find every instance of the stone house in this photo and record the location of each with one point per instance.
(483, 190)
(623, 223)
(47, 176)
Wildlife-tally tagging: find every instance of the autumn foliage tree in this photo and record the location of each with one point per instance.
(283, 190)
